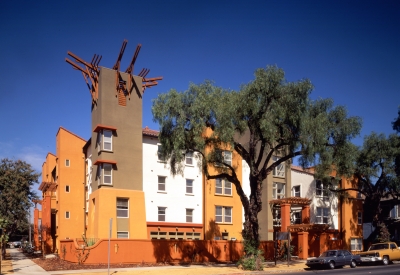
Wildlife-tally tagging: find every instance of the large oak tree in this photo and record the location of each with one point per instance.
(267, 117)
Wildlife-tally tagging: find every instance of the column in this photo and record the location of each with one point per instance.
(285, 216)
(303, 245)
(305, 214)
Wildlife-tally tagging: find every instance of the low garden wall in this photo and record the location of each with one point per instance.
(156, 251)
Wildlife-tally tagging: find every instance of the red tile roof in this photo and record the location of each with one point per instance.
(148, 132)
(300, 169)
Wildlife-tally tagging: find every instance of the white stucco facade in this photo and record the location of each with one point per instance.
(172, 194)
(307, 184)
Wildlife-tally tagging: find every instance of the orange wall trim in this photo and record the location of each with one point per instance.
(169, 224)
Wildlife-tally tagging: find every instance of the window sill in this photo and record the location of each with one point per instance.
(189, 194)
(162, 192)
(223, 195)
(226, 223)
(161, 161)
(122, 217)
(189, 165)
(281, 177)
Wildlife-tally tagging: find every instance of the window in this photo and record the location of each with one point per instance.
(189, 215)
(394, 212)
(278, 190)
(296, 191)
(189, 186)
(122, 235)
(322, 215)
(223, 187)
(279, 171)
(122, 208)
(359, 217)
(161, 183)
(67, 215)
(175, 235)
(223, 214)
(67, 188)
(192, 236)
(189, 158)
(296, 217)
(106, 174)
(320, 189)
(158, 235)
(67, 162)
(225, 235)
(107, 140)
(161, 214)
(356, 244)
(226, 157)
(160, 153)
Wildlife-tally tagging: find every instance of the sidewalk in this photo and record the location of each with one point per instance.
(21, 266)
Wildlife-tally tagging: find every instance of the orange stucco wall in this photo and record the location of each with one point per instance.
(153, 251)
(103, 207)
(69, 147)
(349, 214)
(211, 200)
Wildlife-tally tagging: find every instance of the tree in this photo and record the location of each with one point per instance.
(376, 173)
(16, 195)
(266, 117)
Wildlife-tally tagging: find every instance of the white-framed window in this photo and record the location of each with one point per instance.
(162, 183)
(67, 163)
(162, 213)
(296, 191)
(279, 171)
(296, 217)
(189, 215)
(189, 158)
(105, 173)
(394, 212)
(122, 208)
(320, 189)
(67, 214)
(223, 214)
(107, 140)
(67, 188)
(226, 157)
(189, 186)
(359, 217)
(322, 215)
(122, 235)
(278, 190)
(160, 153)
(356, 244)
(223, 187)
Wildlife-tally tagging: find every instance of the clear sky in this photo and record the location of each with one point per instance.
(350, 50)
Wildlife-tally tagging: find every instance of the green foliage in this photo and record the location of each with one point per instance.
(376, 172)
(283, 250)
(267, 117)
(16, 180)
(253, 258)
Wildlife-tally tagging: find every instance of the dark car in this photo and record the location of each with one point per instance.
(334, 258)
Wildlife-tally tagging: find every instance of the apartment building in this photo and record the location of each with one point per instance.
(62, 191)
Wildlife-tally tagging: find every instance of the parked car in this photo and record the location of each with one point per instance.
(334, 258)
(381, 253)
(17, 244)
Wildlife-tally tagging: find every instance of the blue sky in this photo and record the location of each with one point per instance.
(350, 50)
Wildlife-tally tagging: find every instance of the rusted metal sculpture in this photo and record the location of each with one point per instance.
(90, 72)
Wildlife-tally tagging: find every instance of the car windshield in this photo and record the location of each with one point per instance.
(328, 254)
(379, 246)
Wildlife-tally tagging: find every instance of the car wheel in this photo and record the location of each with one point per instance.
(332, 265)
(385, 260)
(353, 264)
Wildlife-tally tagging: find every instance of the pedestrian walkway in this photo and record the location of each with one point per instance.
(21, 265)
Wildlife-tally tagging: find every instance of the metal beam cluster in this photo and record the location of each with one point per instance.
(90, 72)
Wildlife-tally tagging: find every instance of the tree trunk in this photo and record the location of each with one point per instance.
(251, 234)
